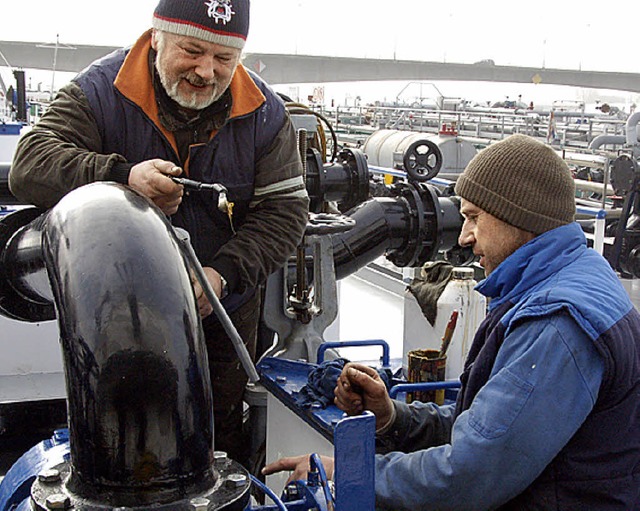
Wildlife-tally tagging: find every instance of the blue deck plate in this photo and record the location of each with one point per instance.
(297, 376)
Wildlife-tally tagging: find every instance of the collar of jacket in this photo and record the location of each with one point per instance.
(532, 263)
(135, 83)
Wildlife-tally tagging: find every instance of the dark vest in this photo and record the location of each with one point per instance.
(600, 460)
(228, 158)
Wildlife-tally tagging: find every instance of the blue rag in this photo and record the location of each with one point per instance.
(323, 379)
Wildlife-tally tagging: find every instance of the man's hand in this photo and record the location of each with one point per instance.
(151, 178)
(360, 388)
(299, 465)
(204, 307)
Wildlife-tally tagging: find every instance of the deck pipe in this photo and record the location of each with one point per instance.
(344, 181)
(139, 394)
(410, 227)
(601, 140)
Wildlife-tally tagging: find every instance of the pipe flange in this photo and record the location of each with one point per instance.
(231, 492)
(12, 304)
(356, 161)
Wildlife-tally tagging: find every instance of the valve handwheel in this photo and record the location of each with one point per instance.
(423, 160)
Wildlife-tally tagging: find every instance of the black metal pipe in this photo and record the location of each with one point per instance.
(139, 395)
(344, 181)
(409, 229)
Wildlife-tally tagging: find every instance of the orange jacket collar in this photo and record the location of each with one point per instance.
(134, 82)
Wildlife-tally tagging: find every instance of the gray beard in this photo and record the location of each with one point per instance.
(192, 103)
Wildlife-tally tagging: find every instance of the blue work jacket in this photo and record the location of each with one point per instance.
(549, 413)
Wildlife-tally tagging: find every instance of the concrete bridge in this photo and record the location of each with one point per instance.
(284, 69)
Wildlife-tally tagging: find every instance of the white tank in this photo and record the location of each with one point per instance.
(459, 294)
(386, 148)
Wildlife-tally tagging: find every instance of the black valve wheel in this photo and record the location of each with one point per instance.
(328, 223)
(422, 161)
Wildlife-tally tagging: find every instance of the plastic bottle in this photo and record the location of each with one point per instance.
(457, 295)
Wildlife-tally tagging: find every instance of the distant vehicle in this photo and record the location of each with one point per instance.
(485, 62)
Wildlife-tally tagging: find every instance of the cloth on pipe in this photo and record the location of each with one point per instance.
(429, 285)
(322, 381)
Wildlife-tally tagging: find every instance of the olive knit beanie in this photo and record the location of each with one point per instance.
(224, 22)
(522, 182)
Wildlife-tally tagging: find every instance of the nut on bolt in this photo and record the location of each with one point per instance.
(58, 501)
(49, 476)
(237, 480)
(200, 503)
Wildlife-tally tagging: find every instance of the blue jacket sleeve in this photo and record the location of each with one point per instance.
(517, 424)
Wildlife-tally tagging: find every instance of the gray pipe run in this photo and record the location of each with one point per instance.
(630, 138)
(601, 140)
(139, 394)
(632, 129)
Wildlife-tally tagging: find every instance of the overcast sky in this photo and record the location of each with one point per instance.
(567, 34)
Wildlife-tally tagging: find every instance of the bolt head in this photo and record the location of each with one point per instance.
(219, 455)
(49, 476)
(58, 501)
(200, 503)
(238, 479)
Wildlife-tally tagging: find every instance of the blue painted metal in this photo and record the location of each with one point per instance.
(10, 128)
(344, 344)
(284, 379)
(15, 488)
(354, 447)
(432, 385)
(353, 437)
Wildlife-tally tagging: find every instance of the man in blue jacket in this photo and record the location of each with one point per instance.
(548, 416)
(180, 103)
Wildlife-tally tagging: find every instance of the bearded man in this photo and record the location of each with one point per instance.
(180, 103)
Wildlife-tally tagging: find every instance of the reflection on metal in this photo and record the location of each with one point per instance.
(139, 396)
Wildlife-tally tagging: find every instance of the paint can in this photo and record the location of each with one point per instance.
(426, 366)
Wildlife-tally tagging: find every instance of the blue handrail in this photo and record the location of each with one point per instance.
(424, 386)
(346, 344)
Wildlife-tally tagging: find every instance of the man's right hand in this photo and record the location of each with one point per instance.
(151, 178)
(360, 388)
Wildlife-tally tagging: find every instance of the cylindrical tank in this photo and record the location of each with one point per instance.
(386, 148)
(459, 294)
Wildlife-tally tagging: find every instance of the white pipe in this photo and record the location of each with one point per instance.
(632, 129)
(601, 140)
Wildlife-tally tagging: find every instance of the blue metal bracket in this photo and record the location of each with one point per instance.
(354, 451)
(284, 379)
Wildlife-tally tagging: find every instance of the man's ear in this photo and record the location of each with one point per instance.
(154, 39)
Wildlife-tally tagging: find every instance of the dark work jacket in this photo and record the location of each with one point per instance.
(123, 103)
(599, 468)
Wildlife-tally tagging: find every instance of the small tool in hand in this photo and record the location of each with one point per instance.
(448, 334)
(224, 205)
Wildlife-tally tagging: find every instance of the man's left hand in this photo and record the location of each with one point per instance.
(204, 307)
(299, 467)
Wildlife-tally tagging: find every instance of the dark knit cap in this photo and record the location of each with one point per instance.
(522, 182)
(224, 22)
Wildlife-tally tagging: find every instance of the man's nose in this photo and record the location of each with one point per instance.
(205, 67)
(466, 236)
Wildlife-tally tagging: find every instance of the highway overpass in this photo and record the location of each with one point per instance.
(284, 69)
